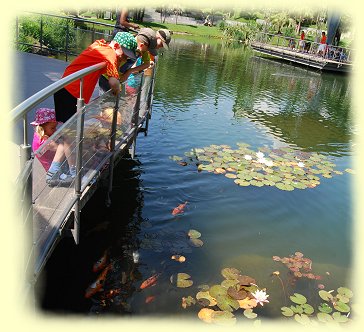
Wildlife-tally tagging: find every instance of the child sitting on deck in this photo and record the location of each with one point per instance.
(45, 126)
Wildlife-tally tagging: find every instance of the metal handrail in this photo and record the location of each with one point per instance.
(23, 108)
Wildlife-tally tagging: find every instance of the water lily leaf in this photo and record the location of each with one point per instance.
(247, 303)
(176, 158)
(326, 296)
(297, 309)
(308, 309)
(298, 298)
(183, 280)
(343, 298)
(223, 318)
(324, 317)
(288, 312)
(188, 301)
(341, 306)
(229, 283)
(302, 319)
(217, 290)
(339, 318)
(325, 308)
(237, 294)
(345, 292)
(230, 273)
(192, 233)
(248, 313)
(231, 175)
(196, 242)
(206, 295)
(245, 280)
(242, 183)
(205, 314)
(220, 170)
(226, 303)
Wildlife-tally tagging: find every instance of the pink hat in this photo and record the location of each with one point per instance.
(43, 115)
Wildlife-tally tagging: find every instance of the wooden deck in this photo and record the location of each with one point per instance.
(305, 59)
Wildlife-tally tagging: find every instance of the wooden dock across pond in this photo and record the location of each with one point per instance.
(306, 59)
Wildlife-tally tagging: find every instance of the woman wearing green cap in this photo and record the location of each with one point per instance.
(113, 53)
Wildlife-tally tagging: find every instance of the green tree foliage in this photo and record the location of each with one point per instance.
(50, 32)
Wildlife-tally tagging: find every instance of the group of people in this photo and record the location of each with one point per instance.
(125, 55)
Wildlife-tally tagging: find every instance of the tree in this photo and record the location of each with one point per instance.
(138, 14)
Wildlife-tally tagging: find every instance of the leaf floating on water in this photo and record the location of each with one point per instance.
(237, 295)
(248, 313)
(176, 158)
(196, 242)
(230, 273)
(246, 280)
(188, 301)
(179, 258)
(183, 280)
(350, 171)
(247, 303)
(205, 314)
(206, 296)
(193, 234)
(220, 170)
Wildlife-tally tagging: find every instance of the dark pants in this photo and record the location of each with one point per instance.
(65, 105)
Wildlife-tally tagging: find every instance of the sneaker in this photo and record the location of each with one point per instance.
(64, 182)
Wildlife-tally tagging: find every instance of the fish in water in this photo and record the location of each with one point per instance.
(98, 284)
(150, 299)
(179, 208)
(101, 263)
(151, 281)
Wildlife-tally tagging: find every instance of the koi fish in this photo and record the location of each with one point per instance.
(150, 299)
(151, 281)
(100, 263)
(96, 286)
(179, 208)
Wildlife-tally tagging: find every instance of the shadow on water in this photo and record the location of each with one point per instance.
(69, 272)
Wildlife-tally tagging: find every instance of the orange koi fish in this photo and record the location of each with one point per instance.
(151, 281)
(100, 263)
(179, 208)
(98, 284)
(150, 299)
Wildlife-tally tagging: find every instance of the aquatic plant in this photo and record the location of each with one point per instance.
(334, 309)
(284, 168)
(221, 302)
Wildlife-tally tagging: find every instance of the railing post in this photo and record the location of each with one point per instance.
(79, 140)
(135, 119)
(41, 34)
(112, 150)
(67, 40)
(150, 100)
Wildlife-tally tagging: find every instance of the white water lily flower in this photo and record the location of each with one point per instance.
(269, 163)
(300, 164)
(248, 157)
(260, 296)
(260, 154)
(262, 160)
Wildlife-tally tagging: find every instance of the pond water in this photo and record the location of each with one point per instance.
(217, 95)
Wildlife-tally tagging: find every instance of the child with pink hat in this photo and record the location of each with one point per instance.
(45, 124)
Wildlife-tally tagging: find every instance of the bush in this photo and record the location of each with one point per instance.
(53, 33)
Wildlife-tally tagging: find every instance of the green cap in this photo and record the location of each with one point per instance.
(127, 43)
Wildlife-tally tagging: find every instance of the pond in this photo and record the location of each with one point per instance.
(229, 107)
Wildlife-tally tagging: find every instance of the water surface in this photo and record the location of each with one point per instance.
(214, 94)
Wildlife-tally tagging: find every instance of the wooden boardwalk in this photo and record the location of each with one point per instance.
(306, 59)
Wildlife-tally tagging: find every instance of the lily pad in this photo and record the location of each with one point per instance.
(339, 318)
(298, 298)
(205, 295)
(247, 303)
(230, 273)
(326, 296)
(192, 233)
(324, 317)
(248, 313)
(345, 292)
(325, 308)
(302, 319)
(237, 294)
(223, 318)
(245, 280)
(288, 312)
(182, 280)
(342, 307)
(196, 242)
